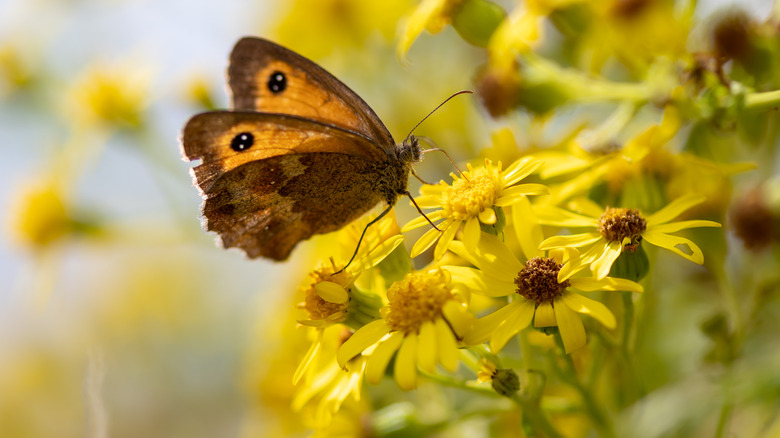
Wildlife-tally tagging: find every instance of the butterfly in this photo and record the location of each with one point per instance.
(300, 154)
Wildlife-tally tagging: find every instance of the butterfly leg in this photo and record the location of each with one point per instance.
(363, 234)
(420, 211)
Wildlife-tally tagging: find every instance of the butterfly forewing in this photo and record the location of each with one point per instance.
(209, 137)
(266, 77)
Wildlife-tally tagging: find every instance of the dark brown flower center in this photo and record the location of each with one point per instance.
(538, 280)
(617, 224)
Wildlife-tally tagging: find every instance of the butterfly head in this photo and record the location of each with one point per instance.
(409, 151)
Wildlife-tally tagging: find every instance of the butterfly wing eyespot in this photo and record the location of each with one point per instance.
(267, 77)
(277, 82)
(242, 141)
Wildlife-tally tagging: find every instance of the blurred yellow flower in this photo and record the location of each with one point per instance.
(635, 33)
(325, 384)
(317, 27)
(430, 15)
(423, 321)
(115, 96)
(618, 230)
(40, 216)
(474, 198)
(594, 156)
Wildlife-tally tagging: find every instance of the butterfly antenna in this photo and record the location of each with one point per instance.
(436, 148)
(362, 235)
(434, 110)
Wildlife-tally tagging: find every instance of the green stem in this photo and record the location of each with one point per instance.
(535, 416)
(460, 384)
(723, 419)
(581, 87)
(762, 101)
(569, 375)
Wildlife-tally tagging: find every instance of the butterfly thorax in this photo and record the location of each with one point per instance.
(394, 175)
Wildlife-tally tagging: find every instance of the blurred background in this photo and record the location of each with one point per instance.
(119, 316)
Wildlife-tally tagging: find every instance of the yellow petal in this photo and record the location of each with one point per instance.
(471, 234)
(573, 240)
(519, 170)
(446, 237)
(460, 249)
(550, 215)
(379, 253)
(494, 258)
(674, 209)
(426, 347)
(313, 349)
(677, 226)
(426, 14)
(421, 221)
(570, 326)
(446, 345)
(458, 316)
(487, 216)
(586, 306)
(484, 327)
(405, 371)
(514, 194)
(480, 283)
(672, 242)
(424, 242)
(527, 228)
(601, 266)
(331, 292)
(518, 319)
(544, 316)
(589, 284)
(380, 357)
(365, 337)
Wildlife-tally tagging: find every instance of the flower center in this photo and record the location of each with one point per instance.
(320, 309)
(538, 280)
(619, 224)
(416, 299)
(467, 197)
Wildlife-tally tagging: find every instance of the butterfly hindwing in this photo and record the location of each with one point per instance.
(266, 207)
(303, 89)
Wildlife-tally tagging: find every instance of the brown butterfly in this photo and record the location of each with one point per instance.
(300, 154)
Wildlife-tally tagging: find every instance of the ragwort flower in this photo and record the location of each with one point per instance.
(474, 198)
(621, 229)
(537, 293)
(423, 321)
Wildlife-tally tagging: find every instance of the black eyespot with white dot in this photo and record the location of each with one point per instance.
(277, 82)
(242, 141)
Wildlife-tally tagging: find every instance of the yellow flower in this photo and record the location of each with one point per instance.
(41, 216)
(593, 157)
(346, 23)
(474, 198)
(423, 321)
(326, 385)
(116, 96)
(618, 230)
(430, 15)
(537, 293)
(331, 297)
